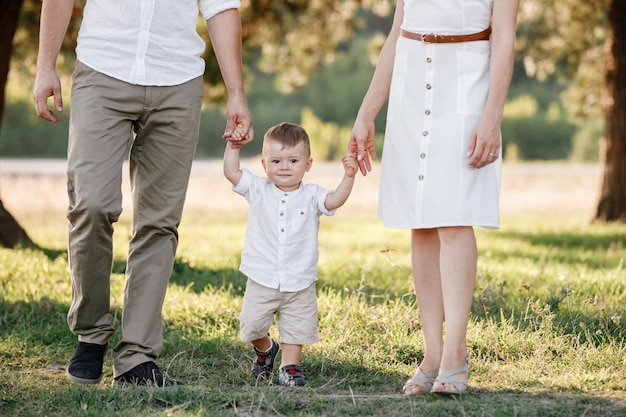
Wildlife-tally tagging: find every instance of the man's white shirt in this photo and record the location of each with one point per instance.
(146, 42)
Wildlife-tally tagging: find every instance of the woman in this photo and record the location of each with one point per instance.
(446, 68)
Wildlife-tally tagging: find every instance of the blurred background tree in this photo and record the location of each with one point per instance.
(288, 38)
(311, 61)
(11, 233)
(584, 43)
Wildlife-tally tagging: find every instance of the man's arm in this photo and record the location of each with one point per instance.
(225, 33)
(55, 17)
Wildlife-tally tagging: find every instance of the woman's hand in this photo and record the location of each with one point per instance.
(485, 144)
(361, 144)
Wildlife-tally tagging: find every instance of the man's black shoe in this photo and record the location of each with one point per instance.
(145, 374)
(85, 367)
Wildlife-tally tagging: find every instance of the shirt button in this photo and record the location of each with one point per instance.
(282, 230)
(421, 177)
(429, 60)
(422, 155)
(425, 133)
(427, 112)
(282, 201)
(428, 86)
(282, 214)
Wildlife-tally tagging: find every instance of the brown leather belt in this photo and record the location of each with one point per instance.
(434, 38)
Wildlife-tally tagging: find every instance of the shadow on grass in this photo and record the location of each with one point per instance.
(118, 266)
(216, 371)
(39, 323)
(566, 247)
(571, 240)
(183, 274)
(53, 254)
(197, 279)
(35, 321)
(216, 368)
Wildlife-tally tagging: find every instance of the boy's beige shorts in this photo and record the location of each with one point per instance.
(296, 314)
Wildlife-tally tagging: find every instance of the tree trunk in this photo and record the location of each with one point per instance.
(612, 204)
(11, 233)
(9, 16)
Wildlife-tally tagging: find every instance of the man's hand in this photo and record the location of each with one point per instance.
(47, 85)
(238, 123)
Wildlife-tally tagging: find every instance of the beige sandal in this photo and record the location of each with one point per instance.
(422, 379)
(447, 377)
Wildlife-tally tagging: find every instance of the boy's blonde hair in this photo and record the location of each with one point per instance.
(288, 135)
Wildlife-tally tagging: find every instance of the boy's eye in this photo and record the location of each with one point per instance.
(275, 161)
(293, 161)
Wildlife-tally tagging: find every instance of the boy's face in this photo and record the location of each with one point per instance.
(285, 166)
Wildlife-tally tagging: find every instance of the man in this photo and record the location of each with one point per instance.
(139, 72)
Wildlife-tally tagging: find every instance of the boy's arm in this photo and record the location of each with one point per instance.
(338, 197)
(232, 171)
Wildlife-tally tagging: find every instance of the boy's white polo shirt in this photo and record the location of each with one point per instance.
(281, 248)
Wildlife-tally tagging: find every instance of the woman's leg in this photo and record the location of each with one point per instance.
(425, 249)
(458, 257)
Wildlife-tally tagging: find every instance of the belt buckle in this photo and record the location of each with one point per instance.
(424, 38)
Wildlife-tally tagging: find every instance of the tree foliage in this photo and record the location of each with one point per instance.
(566, 38)
(291, 37)
(585, 40)
(298, 35)
(576, 40)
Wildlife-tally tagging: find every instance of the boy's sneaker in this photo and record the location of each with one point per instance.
(264, 363)
(291, 376)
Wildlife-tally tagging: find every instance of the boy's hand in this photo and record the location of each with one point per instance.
(240, 137)
(350, 164)
(238, 121)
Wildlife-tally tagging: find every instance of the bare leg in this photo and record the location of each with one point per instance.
(266, 351)
(425, 250)
(262, 345)
(291, 354)
(458, 259)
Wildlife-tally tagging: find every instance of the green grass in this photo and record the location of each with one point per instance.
(546, 337)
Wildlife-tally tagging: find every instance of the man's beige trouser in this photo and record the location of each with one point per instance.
(165, 120)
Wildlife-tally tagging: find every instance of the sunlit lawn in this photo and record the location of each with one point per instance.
(547, 335)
